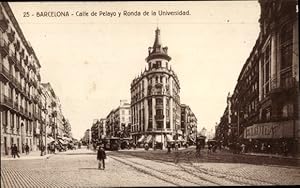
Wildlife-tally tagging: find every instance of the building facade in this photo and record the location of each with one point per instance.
(155, 101)
(118, 121)
(265, 101)
(188, 124)
(20, 107)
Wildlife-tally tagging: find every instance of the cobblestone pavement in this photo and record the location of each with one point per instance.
(124, 168)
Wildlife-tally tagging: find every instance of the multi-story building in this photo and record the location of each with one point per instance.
(102, 128)
(155, 101)
(223, 129)
(265, 101)
(95, 131)
(87, 137)
(118, 121)
(188, 124)
(51, 108)
(20, 107)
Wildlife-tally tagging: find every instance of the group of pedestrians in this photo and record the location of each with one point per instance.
(15, 150)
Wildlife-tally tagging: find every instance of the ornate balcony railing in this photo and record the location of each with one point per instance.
(159, 117)
(8, 101)
(12, 57)
(160, 106)
(11, 36)
(4, 47)
(282, 84)
(21, 109)
(16, 105)
(4, 71)
(4, 24)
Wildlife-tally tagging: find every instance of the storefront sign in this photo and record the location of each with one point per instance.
(283, 129)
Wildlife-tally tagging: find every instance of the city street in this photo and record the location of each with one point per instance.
(78, 168)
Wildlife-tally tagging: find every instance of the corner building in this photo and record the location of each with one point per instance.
(155, 101)
(20, 104)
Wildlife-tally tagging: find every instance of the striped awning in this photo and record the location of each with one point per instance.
(169, 138)
(148, 139)
(50, 139)
(158, 138)
(141, 139)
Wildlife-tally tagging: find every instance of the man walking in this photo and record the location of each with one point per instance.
(27, 149)
(15, 151)
(101, 156)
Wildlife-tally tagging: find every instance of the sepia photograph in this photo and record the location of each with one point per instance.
(149, 94)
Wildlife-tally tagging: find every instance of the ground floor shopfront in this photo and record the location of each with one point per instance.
(157, 139)
(281, 137)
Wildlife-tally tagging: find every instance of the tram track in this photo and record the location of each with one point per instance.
(157, 173)
(217, 175)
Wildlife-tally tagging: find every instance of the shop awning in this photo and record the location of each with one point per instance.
(67, 138)
(282, 129)
(50, 139)
(141, 139)
(148, 139)
(180, 138)
(158, 138)
(169, 138)
(63, 142)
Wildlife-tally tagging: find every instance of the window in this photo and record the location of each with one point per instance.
(266, 70)
(159, 101)
(168, 124)
(123, 112)
(286, 40)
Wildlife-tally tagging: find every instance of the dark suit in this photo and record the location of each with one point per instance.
(101, 156)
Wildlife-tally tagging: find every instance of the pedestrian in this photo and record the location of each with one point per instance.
(27, 149)
(101, 156)
(243, 146)
(262, 148)
(176, 146)
(169, 147)
(12, 150)
(208, 148)
(15, 151)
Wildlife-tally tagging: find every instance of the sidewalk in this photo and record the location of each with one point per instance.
(266, 155)
(273, 155)
(23, 156)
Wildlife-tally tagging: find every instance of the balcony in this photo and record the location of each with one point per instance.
(39, 77)
(4, 23)
(22, 71)
(12, 57)
(159, 106)
(159, 117)
(4, 47)
(36, 99)
(21, 109)
(19, 87)
(18, 65)
(4, 72)
(26, 112)
(16, 106)
(7, 101)
(15, 82)
(282, 85)
(35, 83)
(11, 36)
(26, 60)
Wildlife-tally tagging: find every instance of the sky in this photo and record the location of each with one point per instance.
(91, 61)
